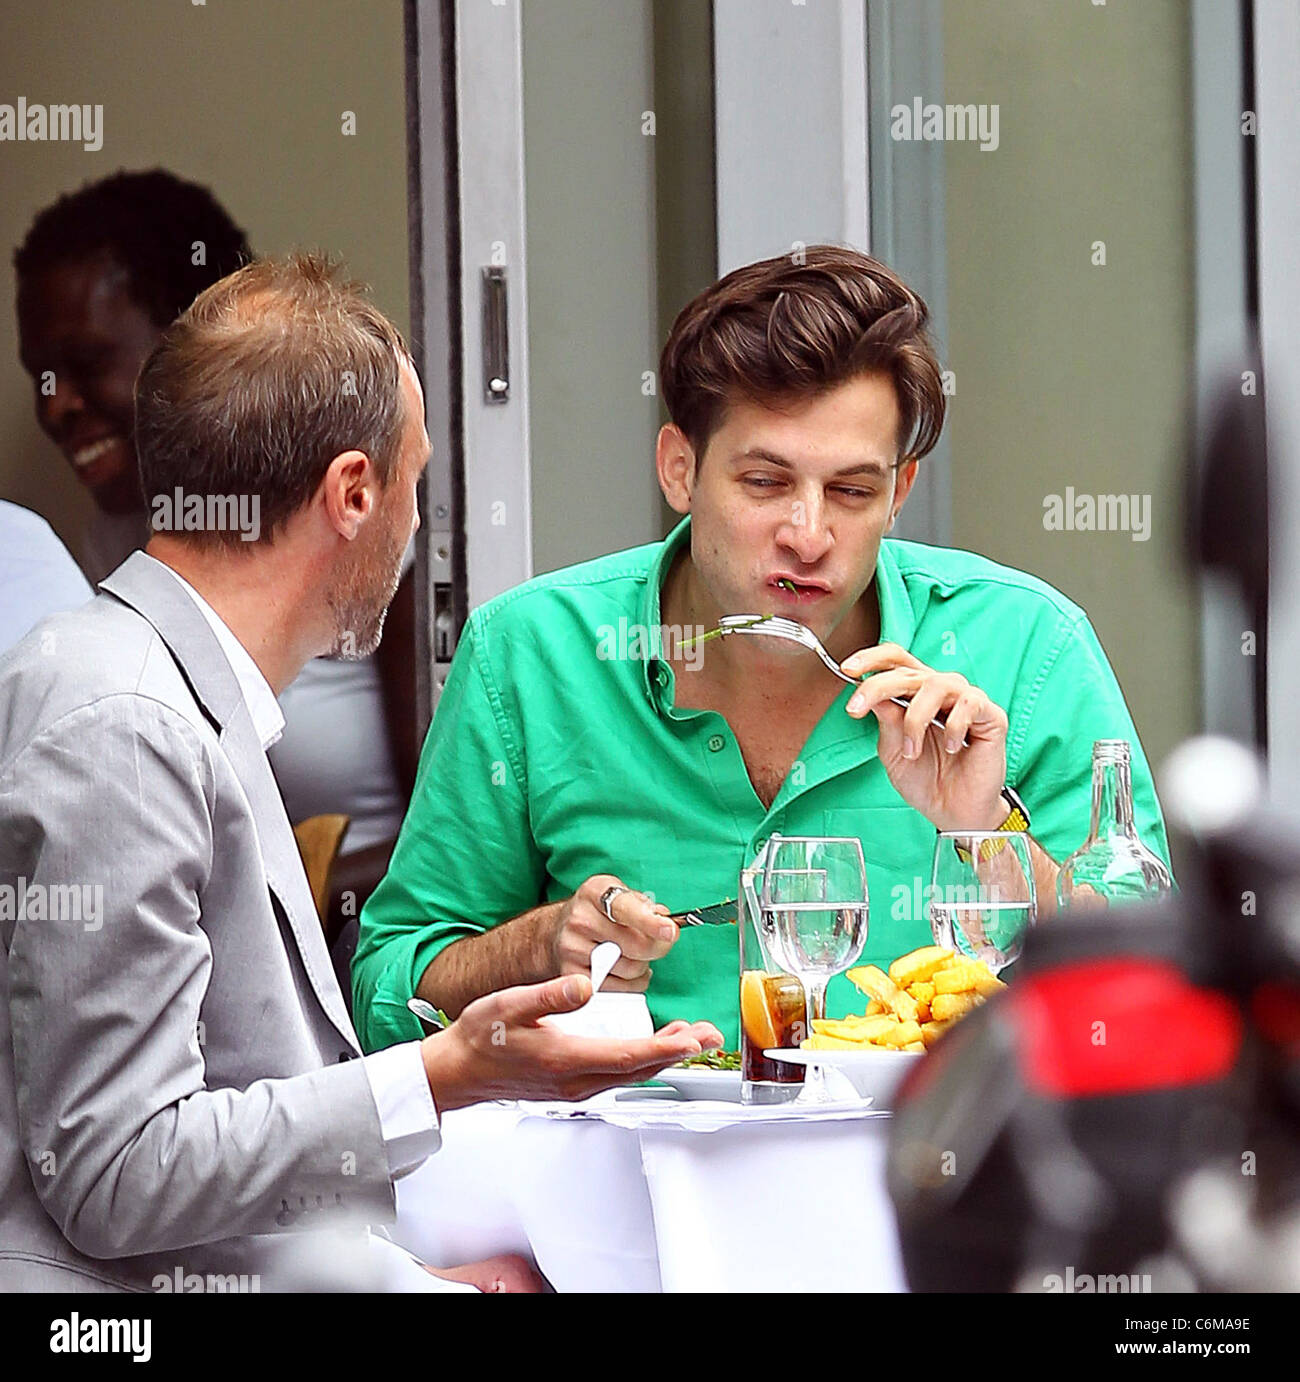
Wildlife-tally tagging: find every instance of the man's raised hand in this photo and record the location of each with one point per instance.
(954, 776)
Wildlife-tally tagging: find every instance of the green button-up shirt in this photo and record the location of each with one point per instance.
(557, 753)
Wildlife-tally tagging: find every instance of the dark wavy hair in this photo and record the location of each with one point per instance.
(793, 327)
(150, 223)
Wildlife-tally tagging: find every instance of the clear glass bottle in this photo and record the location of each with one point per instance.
(1112, 865)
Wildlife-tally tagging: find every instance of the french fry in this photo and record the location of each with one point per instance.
(958, 978)
(875, 1007)
(923, 993)
(829, 1043)
(902, 1034)
(918, 965)
(986, 982)
(965, 977)
(932, 1031)
(950, 1005)
(875, 983)
(853, 1028)
(914, 1046)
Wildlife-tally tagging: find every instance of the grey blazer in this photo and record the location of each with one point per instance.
(178, 1092)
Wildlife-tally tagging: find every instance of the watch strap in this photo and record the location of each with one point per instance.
(1016, 822)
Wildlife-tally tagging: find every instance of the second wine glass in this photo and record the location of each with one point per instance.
(982, 896)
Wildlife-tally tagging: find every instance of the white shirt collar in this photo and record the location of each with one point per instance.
(263, 708)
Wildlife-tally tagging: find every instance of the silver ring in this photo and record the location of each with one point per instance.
(608, 897)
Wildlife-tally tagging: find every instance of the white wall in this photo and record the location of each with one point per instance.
(1070, 374)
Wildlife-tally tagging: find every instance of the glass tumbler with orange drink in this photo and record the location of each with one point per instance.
(773, 1006)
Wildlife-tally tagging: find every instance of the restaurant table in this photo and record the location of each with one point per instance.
(661, 1196)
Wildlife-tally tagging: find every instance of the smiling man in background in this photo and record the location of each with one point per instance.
(101, 273)
(566, 797)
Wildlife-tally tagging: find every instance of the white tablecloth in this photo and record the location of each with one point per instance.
(757, 1207)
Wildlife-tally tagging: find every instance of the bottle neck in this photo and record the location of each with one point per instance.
(1112, 798)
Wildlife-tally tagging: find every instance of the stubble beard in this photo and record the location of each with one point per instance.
(360, 602)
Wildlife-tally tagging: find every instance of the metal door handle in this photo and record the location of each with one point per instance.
(496, 350)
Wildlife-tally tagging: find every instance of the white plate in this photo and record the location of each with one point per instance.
(876, 1074)
(699, 1082)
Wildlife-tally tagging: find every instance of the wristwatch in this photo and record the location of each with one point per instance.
(1017, 820)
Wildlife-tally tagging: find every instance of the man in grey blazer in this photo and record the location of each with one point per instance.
(181, 1088)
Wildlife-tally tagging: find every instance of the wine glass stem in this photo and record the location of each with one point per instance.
(815, 1002)
(816, 991)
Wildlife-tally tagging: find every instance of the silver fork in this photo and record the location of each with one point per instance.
(776, 626)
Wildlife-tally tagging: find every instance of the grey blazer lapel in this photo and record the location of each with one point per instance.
(156, 595)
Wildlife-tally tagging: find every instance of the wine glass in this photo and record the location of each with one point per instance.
(982, 898)
(814, 917)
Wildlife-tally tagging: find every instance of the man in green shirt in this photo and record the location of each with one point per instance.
(584, 745)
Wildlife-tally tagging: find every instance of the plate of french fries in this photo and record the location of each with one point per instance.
(910, 1007)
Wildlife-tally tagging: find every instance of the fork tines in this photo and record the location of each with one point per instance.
(767, 623)
(734, 622)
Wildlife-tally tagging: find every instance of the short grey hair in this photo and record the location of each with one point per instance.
(266, 377)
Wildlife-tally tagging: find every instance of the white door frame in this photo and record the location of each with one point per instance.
(465, 97)
(490, 111)
(1277, 102)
